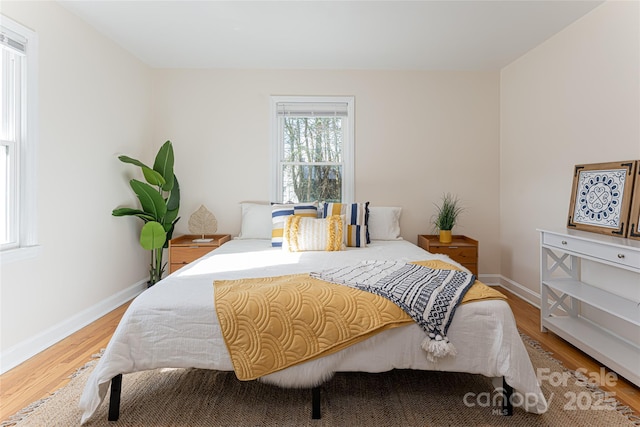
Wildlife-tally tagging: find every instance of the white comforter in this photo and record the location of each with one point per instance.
(174, 325)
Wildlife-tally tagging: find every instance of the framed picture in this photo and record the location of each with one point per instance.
(634, 218)
(601, 197)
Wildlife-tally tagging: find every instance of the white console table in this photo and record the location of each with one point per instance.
(562, 292)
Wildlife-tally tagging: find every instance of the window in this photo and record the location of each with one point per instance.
(18, 53)
(312, 149)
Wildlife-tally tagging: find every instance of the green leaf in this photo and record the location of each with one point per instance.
(174, 198)
(126, 211)
(152, 177)
(132, 212)
(170, 232)
(127, 159)
(170, 218)
(152, 236)
(164, 165)
(150, 199)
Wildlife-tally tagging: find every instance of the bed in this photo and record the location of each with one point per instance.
(174, 325)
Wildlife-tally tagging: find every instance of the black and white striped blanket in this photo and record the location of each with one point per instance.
(430, 296)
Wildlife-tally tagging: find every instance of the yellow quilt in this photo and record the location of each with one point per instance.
(271, 323)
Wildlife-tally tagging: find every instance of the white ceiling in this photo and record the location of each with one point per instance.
(414, 35)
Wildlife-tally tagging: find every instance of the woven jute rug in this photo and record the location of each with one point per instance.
(195, 397)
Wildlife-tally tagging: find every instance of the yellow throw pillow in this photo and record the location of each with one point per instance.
(313, 234)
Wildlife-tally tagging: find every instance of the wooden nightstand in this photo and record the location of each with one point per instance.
(183, 250)
(462, 249)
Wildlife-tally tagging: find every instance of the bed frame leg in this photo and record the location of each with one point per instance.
(315, 403)
(114, 399)
(507, 406)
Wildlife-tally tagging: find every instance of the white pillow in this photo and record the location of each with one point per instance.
(384, 223)
(256, 221)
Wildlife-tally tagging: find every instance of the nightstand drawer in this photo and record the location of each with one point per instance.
(462, 249)
(461, 254)
(187, 254)
(183, 250)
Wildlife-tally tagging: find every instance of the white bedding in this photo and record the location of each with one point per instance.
(174, 325)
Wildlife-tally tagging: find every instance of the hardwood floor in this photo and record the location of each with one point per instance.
(48, 371)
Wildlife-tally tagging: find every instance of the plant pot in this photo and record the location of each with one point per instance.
(445, 236)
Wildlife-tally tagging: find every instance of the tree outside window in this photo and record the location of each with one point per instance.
(313, 143)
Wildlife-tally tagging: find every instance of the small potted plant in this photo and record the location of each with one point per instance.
(446, 216)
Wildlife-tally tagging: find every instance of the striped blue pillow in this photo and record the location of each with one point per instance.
(279, 214)
(357, 219)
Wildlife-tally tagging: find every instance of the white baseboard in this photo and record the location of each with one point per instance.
(521, 291)
(516, 288)
(26, 349)
(490, 279)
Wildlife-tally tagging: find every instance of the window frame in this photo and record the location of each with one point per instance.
(348, 163)
(26, 242)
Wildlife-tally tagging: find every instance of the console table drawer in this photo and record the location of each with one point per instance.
(612, 254)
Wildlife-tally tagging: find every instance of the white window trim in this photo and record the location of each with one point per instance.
(348, 181)
(27, 218)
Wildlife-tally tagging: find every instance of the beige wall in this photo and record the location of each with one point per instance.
(418, 135)
(574, 99)
(94, 103)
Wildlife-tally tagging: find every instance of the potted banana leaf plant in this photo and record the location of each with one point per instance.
(160, 202)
